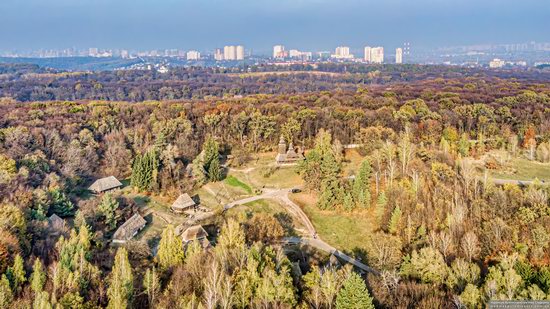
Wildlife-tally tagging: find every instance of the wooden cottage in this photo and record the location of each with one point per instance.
(129, 229)
(183, 203)
(105, 184)
(56, 225)
(195, 233)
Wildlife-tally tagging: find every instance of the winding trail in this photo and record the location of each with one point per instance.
(313, 240)
(323, 246)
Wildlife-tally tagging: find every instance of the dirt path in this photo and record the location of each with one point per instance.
(323, 246)
(282, 196)
(313, 240)
(518, 182)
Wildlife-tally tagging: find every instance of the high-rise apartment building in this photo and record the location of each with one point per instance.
(377, 55)
(240, 52)
(193, 55)
(342, 52)
(233, 52)
(278, 51)
(218, 54)
(367, 57)
(229, 52)
(399, 55)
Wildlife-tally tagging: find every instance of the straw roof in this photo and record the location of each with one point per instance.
(105, 184)
(183, 202)
(194, 233)
(129, 229)
(56, 223)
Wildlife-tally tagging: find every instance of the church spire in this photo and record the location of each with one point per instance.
(282, 145)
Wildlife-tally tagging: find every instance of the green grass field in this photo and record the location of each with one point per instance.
(524, 169)
(264, 173)
(235, 182)
(345, 231)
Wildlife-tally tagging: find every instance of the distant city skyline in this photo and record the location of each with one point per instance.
(258, 25)
(277, 51)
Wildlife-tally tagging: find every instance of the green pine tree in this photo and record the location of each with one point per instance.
(170, 252)
(331, 187)
(72, 300)
(42, 301)
(211, 151)
(348, 202)
(214, 170)
(199, 173)
(395, 220)
(354, 294)
(107, 208)
(121, 287)
(137, 172)
(145, 170)
(361, 185)
(61, 204)
(38, 277)
(206, 166)
(6, 295)
(16, 274)
(151, 285)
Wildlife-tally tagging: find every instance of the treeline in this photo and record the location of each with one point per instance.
(28, 83)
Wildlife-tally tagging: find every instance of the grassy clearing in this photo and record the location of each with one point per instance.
(345, 231)
(277, 177)
(235, 182)
(352, 161)
(523, 169)
(215, 195)
(267, 174)
(262, 172)
(243, 212)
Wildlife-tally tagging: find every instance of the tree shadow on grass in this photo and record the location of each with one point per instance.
(142, 201)
(286, 222)
(359, 254)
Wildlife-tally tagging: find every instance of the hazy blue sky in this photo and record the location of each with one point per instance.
(258, 24)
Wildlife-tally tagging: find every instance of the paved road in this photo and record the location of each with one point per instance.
(314, 240)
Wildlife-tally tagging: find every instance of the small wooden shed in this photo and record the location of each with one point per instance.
(105, 184)
(56, 224)
(129, 229)
(195, 233)
(182, 203)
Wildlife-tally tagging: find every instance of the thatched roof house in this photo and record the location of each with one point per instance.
(183, 202)
(105, 184)
(195, 233)
(56, 224)
(129, 229)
